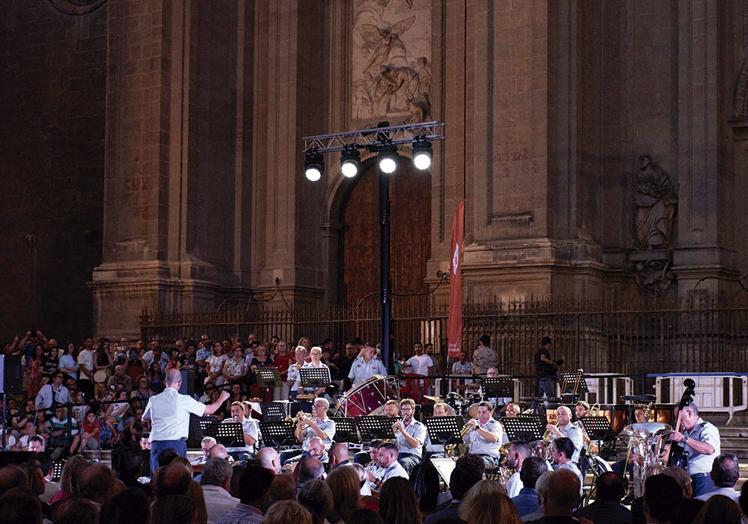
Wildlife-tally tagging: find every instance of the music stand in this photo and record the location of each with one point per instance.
(597, 428)
(273, 411)
(575, 379)
(57, 469)
(345, 430)
(206, 424)
(494, 387)
(444, 430)
(267, 377)
(526, 429)
(277, 434)
(229, 434)
(445, 467)
(374, 427)
(315, 377)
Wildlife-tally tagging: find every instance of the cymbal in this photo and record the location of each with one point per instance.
(433, 399)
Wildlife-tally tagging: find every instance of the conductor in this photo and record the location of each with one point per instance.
(169, 413)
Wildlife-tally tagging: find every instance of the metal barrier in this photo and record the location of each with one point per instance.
(715, 392)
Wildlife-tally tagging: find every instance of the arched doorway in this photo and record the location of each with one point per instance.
(410, 234)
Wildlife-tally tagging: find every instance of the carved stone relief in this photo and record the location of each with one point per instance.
(655, 202)
(392, 61)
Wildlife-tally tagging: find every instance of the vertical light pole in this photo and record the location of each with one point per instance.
(382, 140)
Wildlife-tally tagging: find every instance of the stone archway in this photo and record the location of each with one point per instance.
(355, 208)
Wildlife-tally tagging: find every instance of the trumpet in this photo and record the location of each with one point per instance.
(300, 418)
(470, 425)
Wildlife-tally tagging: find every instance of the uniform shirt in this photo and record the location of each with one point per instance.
(574, 469)
(249, 426)
(513, 485)
(169, 413)
(573, 432)
(416, 430)
(420, 365)
(704, 432)
(362, 370)
(394, 470)
(480, 446)
(297, 383)
(327, 426)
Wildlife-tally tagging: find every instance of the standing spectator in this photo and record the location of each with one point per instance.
(216, 481)
(419, 363)
(545, 369)
(261, 360)
(484, 357)
(154, 354)
(102, 362)
(34, 370)
(155, 378)
(68, 363)
(86, 368)
(51, 363)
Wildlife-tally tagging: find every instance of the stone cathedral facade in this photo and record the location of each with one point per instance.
(151, 151)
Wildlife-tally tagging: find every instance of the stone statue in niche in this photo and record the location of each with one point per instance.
(655, 201)
(653, 275)
(391, 69)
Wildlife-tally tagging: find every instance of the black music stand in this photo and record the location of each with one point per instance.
(526, 429)
(494, 387)
(444, 430)
(273, 411)
(597, 428)
(374, 427)
(277, 434)
(226, 433)
(57, 469)
(345, 430)
(315, 377)
(267, 377)
(573, 379)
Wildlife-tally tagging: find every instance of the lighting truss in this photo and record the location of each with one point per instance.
(373, 138)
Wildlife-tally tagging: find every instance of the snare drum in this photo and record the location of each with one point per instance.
(368, 398)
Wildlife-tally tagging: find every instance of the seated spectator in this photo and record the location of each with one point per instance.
(397, 502)
(120, 379)
(719, 509)
(528, 500)
(689, 506)
(62, 442)
(12, 477)
(662, 496)
(743, 500)
(610, 488)
(287, 511)
(129, 468)
(90, 431)
(462, 479)
(143, 391)
(345, 487)
(366, 516)
(560, 497)
(254, 490)
(76, 510)
(216, 482)
(270, 459)
(71, 472)
(282, 488)
(171, 479)
(308, 469)
(19, 506)
(725, 474)
(488, 508)
(316, 497)
(173, 509)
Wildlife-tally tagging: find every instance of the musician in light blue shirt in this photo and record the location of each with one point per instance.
(366, 366)
(409, 436)
(485, 439)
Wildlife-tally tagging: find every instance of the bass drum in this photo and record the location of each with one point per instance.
(368, 398)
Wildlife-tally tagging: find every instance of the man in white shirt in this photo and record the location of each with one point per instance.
(565, 428)
(366, 366)
(51, 394)
(485, 439)
(216, 481)
(518, 452)
(86, 368)
(169, 413)
(419, 363)
(561, 452)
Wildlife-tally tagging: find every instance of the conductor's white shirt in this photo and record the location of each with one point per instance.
(169, 413)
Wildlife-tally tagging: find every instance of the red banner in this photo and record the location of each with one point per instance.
(454, 337)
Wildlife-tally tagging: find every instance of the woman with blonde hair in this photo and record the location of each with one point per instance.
(287, 511)
(488, 508)
(344, 483)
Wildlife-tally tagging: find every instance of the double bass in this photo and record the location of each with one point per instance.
(677, 454)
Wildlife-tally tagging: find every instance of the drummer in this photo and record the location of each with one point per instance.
(366, 366)
(485, 439)
(565, 428)
(409, 436)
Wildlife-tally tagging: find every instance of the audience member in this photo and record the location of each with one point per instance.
(345, 487)
(560, 497)
(12, 477)
(689, 507)
(528, 500)
(76, 510)
(270, 459)
(468, 471)
(662, 497)
(96, 483)
(172, 479)
(18, 506)
(254, 490)
(488, 508)
(216, 482)
(610, 488)
(308, 469)
(397, 502)
(287, 512)
(195, 492)
(339, 455)
(743, 500)
(365, 516)
(130, 506)
(282, 488)
(725, 474)
(719, 509)
(316, 496)
(71, 472)
(173, 509)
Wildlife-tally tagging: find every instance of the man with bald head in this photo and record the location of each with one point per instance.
(269, 459)
(169, 413)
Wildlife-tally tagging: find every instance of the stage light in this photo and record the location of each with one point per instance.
(349, 161)
(422, 153)
(314, 165)
(387, 159)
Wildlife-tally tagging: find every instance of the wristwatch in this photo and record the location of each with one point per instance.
(684, 440)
